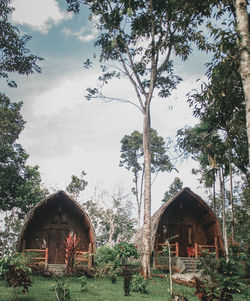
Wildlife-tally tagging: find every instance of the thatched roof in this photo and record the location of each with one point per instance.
(185, 194)
(58, 196)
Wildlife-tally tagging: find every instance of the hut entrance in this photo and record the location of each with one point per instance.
(183, 235)
(56, 246)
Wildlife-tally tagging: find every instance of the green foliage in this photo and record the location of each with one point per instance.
(62, 291)
(14, 55)
(174, 188)
(132, 152)
(104, 255)
(4, 264)
(124, 251)
(225, 276)
(17, 274)
(77, 185)
(20, 184)
(109, 270)
(139, 284)
(83, 283)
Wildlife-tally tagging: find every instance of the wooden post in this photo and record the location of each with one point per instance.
(46, 256)
(196, 249)
(216, 247)
(177, 249)
(156, 251)
(90, 256)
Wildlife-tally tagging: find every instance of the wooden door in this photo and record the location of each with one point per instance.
(56, 246)
(182, 234)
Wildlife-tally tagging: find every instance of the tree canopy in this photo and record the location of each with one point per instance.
(20, 184)
(15, 57)
(132, 159)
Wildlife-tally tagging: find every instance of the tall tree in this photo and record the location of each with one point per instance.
(174, 188)
(20, 184)
(243, 30)
(77, 185)
(141, 37)
(15, 57)
(132, 158)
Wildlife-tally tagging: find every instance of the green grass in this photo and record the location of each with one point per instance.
(42, 289)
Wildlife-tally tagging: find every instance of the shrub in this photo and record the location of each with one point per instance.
(225, 277)
(104, 255)
(124, 250)
(83, 270)
(109, 270)
(139, 284)
(18, 275)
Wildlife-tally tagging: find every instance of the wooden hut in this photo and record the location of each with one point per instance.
(191, 224)
(47, 225)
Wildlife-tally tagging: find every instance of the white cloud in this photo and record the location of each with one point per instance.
(64, 95)
(39, 14)
(85, 34)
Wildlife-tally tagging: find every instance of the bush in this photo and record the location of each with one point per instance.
(225, 277)
(139, 284)
(18, 275)
(104, 255)
(109, 270)
(124, 250)
(83, 270)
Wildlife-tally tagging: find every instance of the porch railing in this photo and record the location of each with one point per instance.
(41, 255)
(197, 250)
(158, 251)
(38, 255)
(87, 257)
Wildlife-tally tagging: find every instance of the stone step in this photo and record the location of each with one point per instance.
(190, 264)
(57, 269)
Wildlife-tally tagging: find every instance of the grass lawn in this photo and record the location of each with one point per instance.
(42, 289)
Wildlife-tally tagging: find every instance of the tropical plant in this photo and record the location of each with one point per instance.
(62, 291)
(225, 276)
(71, 248)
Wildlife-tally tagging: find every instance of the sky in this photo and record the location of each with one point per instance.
(64, 132)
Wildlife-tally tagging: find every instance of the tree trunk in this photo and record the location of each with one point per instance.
(232, 202)
(214, 200)
(138, 202)
(111, 231)
(243, 30)
(224, 226)
(147, 196)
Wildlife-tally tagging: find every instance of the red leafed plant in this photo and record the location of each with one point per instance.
(71, 248)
